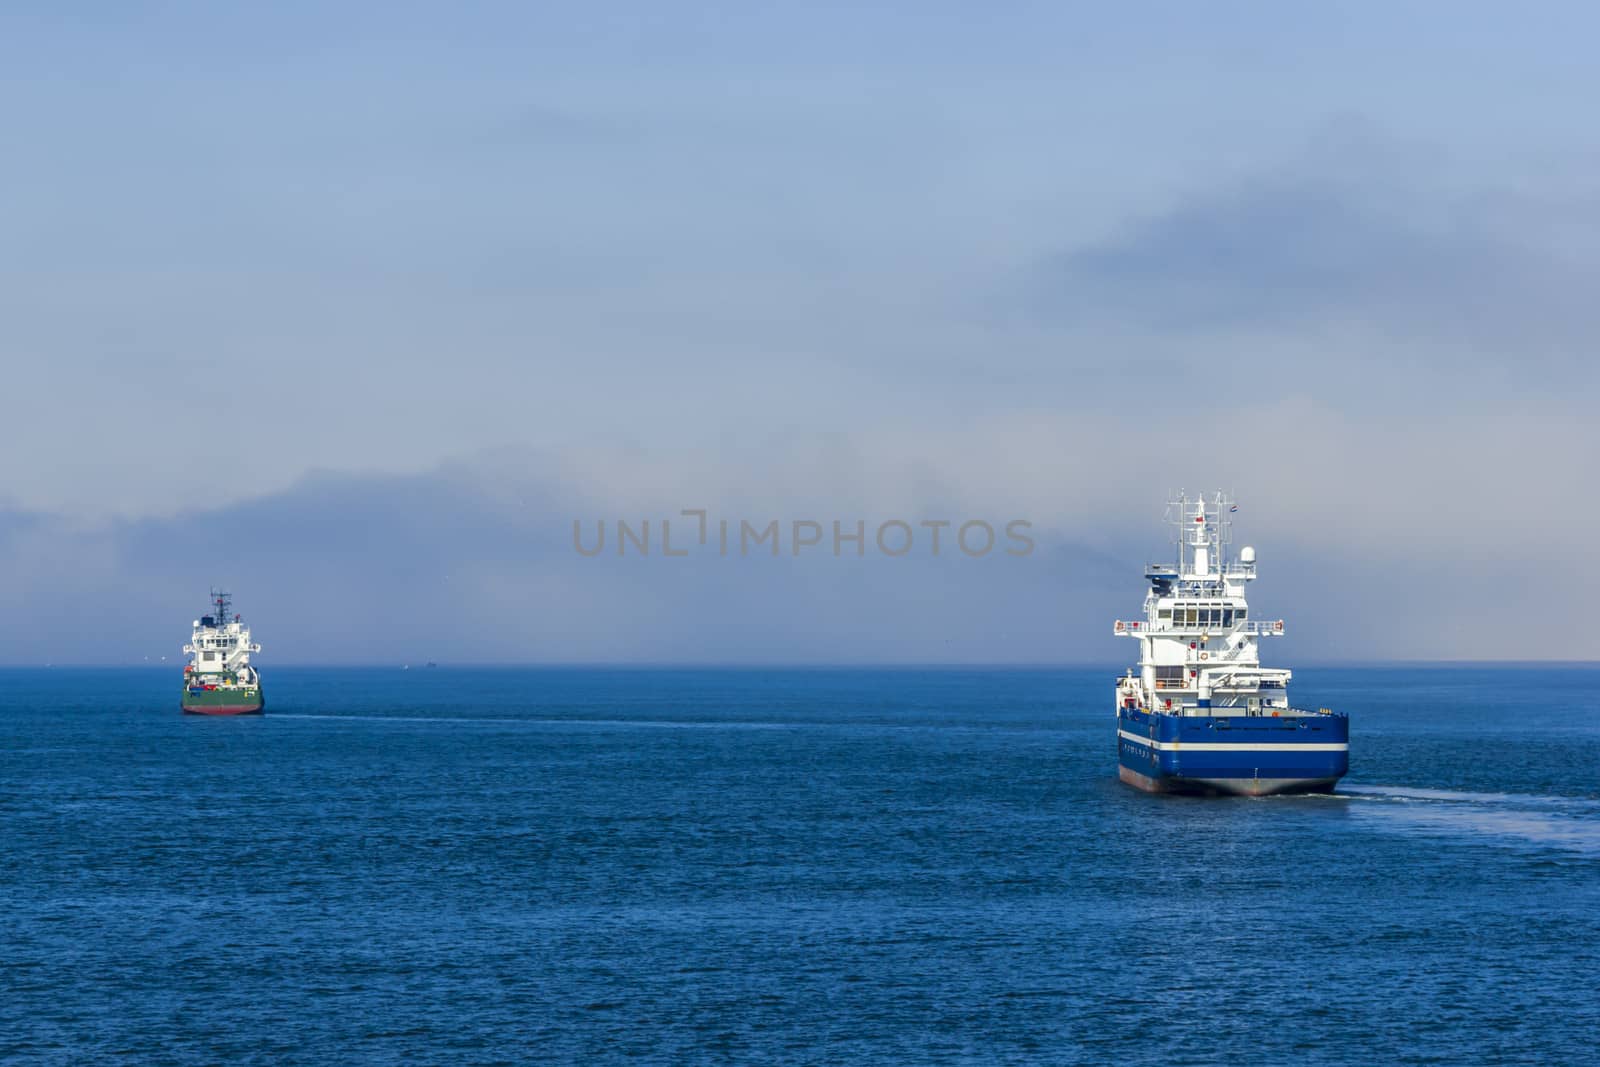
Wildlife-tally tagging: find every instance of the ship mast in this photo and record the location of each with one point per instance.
(1202, 532)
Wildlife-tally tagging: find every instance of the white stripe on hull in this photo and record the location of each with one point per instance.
(1218, 746)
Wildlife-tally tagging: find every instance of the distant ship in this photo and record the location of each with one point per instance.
(219, 679)
(1202, 715)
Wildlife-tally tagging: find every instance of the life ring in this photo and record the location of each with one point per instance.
(1119, 625)
(1205, 655)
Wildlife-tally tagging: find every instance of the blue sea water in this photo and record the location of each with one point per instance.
(796, 866)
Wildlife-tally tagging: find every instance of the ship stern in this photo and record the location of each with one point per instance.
(1302, 752)
(223, 701)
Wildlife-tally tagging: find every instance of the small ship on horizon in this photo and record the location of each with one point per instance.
(219, 680)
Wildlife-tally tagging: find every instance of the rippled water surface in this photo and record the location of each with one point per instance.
(798, 866)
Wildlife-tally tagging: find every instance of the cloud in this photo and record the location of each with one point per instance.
(474, 562)
(1359, 234)
(1377, 542)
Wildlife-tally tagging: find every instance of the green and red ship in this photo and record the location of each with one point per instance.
(219, 679)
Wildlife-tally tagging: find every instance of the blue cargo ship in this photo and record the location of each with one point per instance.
(1199, 714)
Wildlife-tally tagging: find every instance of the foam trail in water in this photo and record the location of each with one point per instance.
(1405, 792)
(1579, 835)
(530, 721)
(1571, 823)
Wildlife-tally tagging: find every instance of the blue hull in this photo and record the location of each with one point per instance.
(1297, 752)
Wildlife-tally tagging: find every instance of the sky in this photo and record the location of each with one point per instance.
(356, 308)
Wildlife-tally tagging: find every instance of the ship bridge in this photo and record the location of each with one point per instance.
(221, 644)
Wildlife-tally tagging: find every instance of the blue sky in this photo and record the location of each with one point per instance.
(332, 303)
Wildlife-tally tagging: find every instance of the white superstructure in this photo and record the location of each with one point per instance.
(221, 647)
(1197, 641)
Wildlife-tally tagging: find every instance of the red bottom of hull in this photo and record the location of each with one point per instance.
(226, 709)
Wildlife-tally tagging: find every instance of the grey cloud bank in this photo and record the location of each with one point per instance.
(449, 566)
(1358, 235)
(473, 563)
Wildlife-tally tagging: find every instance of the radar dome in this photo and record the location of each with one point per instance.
(1247, 554)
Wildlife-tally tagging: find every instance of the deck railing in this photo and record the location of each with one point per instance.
(1268, 627)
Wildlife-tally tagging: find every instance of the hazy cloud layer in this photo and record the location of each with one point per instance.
(457, 567)
(475, 561)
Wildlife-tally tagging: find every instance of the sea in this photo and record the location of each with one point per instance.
(800, 866)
